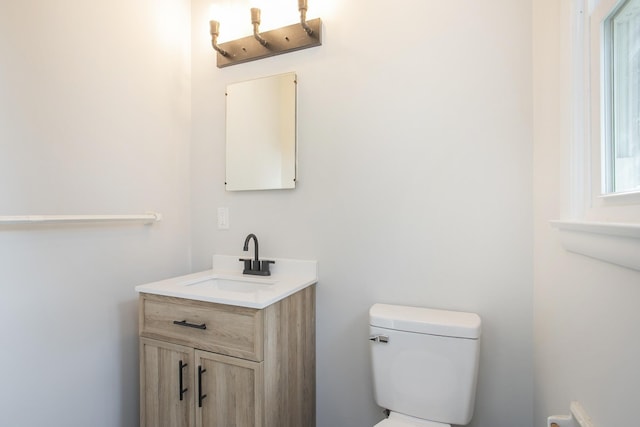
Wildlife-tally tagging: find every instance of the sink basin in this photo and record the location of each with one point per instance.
(230, 283)
(225, 283)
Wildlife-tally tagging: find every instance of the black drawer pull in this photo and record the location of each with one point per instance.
(189, 325)
(182, 365)
(200, 395)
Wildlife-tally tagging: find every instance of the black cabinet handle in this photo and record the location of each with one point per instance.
(189, 325)
(200, 395)
(180, 367)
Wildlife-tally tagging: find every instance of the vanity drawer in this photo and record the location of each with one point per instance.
(224, 329)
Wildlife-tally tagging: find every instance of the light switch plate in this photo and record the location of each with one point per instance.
(223, 218)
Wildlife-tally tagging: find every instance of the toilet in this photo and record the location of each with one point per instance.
(425, 364)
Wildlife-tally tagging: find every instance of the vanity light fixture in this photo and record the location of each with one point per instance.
(255, 21)
(214, 27)
(287, 39)
(302, 8)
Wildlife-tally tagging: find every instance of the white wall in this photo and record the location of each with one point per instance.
(94, 119)
(414, 186)
(586, 315)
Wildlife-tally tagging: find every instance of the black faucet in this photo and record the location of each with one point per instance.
(255, 266)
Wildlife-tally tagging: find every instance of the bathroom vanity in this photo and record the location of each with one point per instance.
(218, 348)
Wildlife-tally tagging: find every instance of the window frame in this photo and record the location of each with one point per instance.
(600, 226)
(601, 204)
(604, 17)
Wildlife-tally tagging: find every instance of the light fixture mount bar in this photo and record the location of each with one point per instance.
(282, 40)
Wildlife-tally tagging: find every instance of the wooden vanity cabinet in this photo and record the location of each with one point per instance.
(161, 403)
(231, 366)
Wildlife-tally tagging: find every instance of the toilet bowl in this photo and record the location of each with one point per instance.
(400, 420)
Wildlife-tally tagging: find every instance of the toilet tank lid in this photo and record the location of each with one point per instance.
(426, 320)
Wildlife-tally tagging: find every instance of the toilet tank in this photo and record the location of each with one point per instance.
(425, 361)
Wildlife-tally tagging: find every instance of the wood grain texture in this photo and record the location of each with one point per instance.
(234, 390)
(290, 364)
(260, 364)
(160, 404)
(230, 330)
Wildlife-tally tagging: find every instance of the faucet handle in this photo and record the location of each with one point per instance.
(247, 264)
(257, 268)
(264, 266)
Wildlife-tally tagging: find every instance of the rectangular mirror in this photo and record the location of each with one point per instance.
(261, 134)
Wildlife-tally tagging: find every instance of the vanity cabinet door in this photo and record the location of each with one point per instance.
(166, 384)
(229, 391)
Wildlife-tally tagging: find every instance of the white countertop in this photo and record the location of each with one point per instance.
(225, 283)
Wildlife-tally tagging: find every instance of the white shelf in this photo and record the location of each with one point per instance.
(149, 217)
(616, 243)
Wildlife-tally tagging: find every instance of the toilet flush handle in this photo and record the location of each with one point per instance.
(379, 338)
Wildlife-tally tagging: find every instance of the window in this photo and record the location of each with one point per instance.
(612, 43)
(604, 173)
(621, 104)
